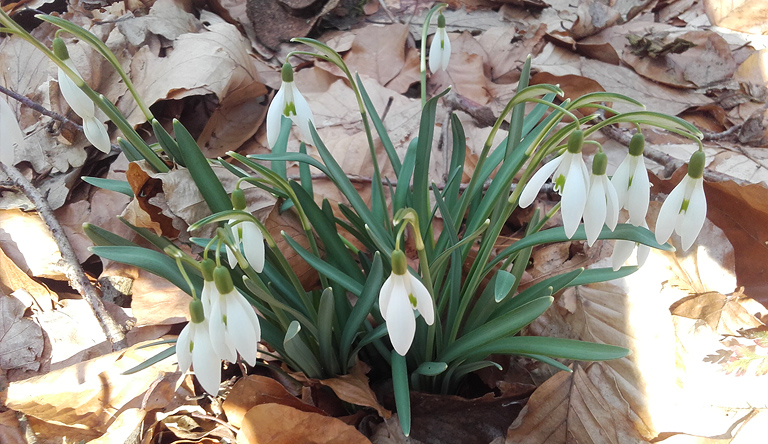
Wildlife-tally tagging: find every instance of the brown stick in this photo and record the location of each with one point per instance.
(71, 266)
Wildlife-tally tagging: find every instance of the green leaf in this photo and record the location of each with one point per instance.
(300, 353)
(505, 281)
(158, 241)
(600, 96)
(362, 307)
(119, 186)
(104, 238)
(431, 368)
(281, 147)
(325, 332)
(152, 261)
(381, 130)
(547, 360)
(404, 177)
(469, 367)
(167, 353)
(130, 151)
(402, 392)
(206, 180)
(551, 347)
(660, 120)
(166, 141)
(507, 324)
(325, 268)
(305, 175)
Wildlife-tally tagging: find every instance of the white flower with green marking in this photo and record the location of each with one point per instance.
(194, 349)
(602, 204)
(440, 49)
(290, 103)
(633, 188)
(685, 209)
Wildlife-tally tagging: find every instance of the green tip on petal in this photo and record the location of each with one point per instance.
(576, 141)
(696, 165)
(287, 72)
(223, 280)
(238, 199)
(60, 49)
(208, 266)
(637, 144)
(399, 263)
(599, 163)
(441, 21)
(196, 312)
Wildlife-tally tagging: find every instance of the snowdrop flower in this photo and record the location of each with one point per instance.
(685, 209)
(12, 137)
(234, 327)
(399, 296)
(290, 103)
(631, 182)
(248, 238)
(571, 178)
(602, 204)
(440, 49)
(194, 348)
(623, 249)
(81, 104)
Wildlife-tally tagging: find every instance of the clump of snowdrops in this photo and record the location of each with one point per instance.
(425, 317)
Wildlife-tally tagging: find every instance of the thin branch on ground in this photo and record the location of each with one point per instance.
(70, 264)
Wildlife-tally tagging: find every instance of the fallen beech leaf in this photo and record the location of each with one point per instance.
(12, 279)
(166, 18)
(739, 15)
(21, 339)
(155, 301)
(90, 395)
(467, 71)
(584, 406)
(573, 87)
(723, 314)
(10, 429)
(280, 424)
(378, 51)
(146, 188)
(354, 388)
(593, 17)
(255, 390)
(27, 241)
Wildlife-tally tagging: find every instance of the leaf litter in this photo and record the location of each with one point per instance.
(696, 337)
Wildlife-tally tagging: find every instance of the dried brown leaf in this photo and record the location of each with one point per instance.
(739, 15)
(379, 52)
(10, 429)
(354, 388)
(254, 390)
(723, 314)
(92, 394)
(281, 424)
(12, 279)
(166, 18)
(27, 241)
(21, 339)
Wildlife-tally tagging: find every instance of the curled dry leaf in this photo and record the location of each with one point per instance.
(254, 390)
(281, 424)
(12, 279)
(21, 339)
(91, 395)
(354, 388)
(27, 241)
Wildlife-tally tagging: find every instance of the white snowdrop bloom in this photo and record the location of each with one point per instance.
(400, 294)
(571, 178)
(440, 49)
(685, 209)
(290, 103)
(602, 204)
(250, 240)
(234, 327)
(623, 249)
(194, 349)
(633, 188)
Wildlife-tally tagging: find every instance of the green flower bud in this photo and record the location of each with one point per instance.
(208, 266)
(60, 49)
(696, 164)
(441, 21)
(576, 141)
(287, 72)
(196, 312)
(599, 163)
(223, 280)
(399, 263)
(238, 199)
(637, 144)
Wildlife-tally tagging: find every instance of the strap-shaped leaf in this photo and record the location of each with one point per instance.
(119, 186)
(325, 324)
(551, 347)
(300, 353)
(325, 268)
(431, 368)
(362, 307)
(402, 391)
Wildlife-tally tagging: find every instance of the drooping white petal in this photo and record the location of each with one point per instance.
(80, 103)
(670, 210)
(11, 136)
(385, 294)
(622, 250)
(423, 300)
(574, 196)
(642, 254)
(206, 363)
(620, 180)
(253, 245)
(274, 114)
(303, 115)
(639, 195)
(435, 53)
(531, 189)
(612, 204)
(96, 133)
(183, 355)
(446, 54)
(206, 297)
(217, 330)
(401, 324)
(695, 215)
(242, 332)
(595, 210)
